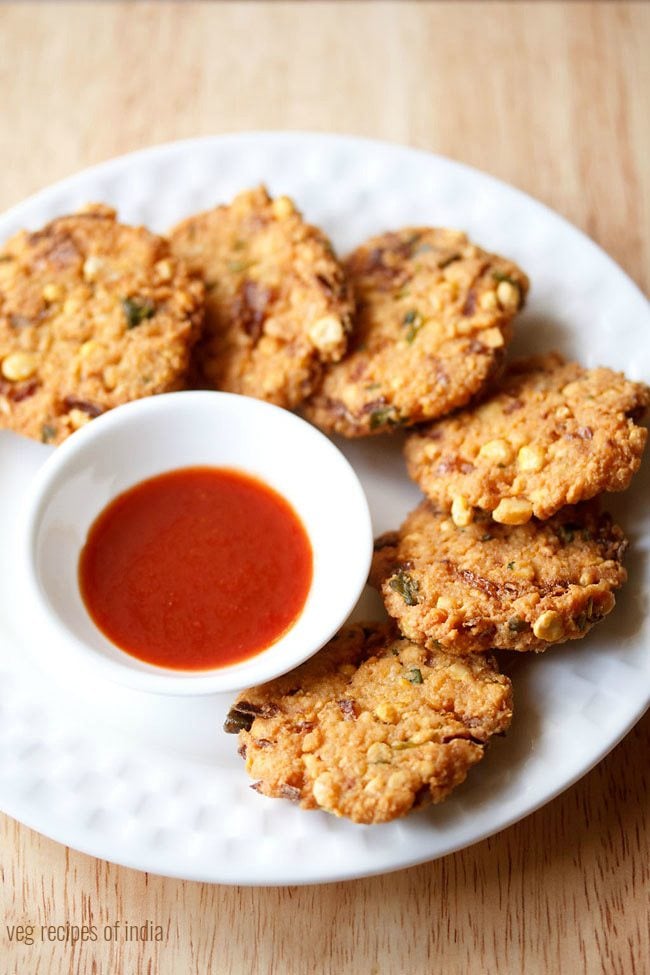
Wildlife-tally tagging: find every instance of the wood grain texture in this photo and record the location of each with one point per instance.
(551, 97)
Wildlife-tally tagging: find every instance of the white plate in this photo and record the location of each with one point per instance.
(151, 782)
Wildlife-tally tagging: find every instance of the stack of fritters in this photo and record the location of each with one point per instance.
(507, 552)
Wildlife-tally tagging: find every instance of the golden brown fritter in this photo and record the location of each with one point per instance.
(512, 587)
(552, 434)
(93, 314)
(278, 303)
(371, 727)
(434, 318)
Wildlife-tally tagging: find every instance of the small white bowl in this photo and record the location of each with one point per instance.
(163, 433)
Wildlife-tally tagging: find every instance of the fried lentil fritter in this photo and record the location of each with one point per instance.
(371, 727)
(93, 314)
(512, 587)
(278, 303)
(434, 318)
(552, 434)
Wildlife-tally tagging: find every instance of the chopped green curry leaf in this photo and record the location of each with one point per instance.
(48, 432)
(413, 322)
(137, 310)
(405, 586)
(414, 675)
(516, 624)
(383, 416)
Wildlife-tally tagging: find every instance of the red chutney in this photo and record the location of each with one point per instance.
(196, 569)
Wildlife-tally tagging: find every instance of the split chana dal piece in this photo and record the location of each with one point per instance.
(433, 322)
(552, 434)
(93, 314)
(511, 587)
(278, 303)
(372, 727)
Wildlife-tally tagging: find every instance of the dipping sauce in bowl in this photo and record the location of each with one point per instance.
(196, 569)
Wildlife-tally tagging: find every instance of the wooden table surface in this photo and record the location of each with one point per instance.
(551, 97)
